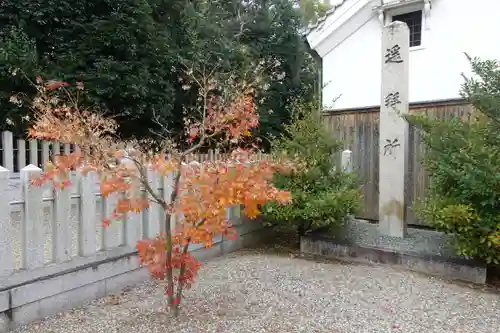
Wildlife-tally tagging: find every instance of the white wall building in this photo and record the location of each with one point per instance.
(348, 40)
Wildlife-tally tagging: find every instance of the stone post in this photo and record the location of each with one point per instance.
(347, 167)
(393, 129)
(346, 161)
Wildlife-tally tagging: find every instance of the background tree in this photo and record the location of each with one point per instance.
(312, 10)
(462, 160)
(200, 192)
(119, 48)
(132, 54)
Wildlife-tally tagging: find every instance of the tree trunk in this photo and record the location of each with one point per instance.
(168, 229)
(180, 284)
(302, 228)
(169, 273)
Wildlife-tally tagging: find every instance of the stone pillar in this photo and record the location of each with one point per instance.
(346, 161)
(393, 129)
(347, 167)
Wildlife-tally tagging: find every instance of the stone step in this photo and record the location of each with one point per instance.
(423, 251)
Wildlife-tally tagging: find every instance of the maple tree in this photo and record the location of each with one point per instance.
(200, 193)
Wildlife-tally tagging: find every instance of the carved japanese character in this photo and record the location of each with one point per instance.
(392, 99)
(393, 55)
(390, 146)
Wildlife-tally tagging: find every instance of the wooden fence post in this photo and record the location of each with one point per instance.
(7, 150)
(154, 227)
(45, 152)
(32, 226)
(67, 149)
(6, 265)
(112, 234)
(88, 213)
(56, 148)
(33, 152)
(21, 154)
(133, 222)
(168, 187)
(61, 231)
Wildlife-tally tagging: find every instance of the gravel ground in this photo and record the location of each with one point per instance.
(251, 292)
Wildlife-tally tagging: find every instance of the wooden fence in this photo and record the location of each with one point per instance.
(360, 132)
(54, 250)
(72, 224)
(17, 153)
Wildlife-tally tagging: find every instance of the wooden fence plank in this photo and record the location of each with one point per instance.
(133, 224)
(154, 209)
(7, 150)
(32, 226)
(111, 234)
(33, 147)
(88, 212)
(45, 152)
(21, 154)
(56, 148)
(61, 231)
(6, 262)
(168, 183)
(67, 149)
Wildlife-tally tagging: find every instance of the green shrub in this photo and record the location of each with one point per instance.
(322, 194)
(463, 161)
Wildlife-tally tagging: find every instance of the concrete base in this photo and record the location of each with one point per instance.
(422, 251)
(32, 295)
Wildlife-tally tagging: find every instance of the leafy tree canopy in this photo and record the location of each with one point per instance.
(133, 55)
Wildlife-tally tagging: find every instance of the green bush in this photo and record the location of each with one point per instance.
(463, 161)
(322, 194)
